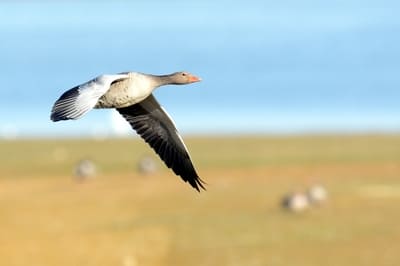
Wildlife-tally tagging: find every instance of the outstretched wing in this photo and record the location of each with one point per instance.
(155, 126)
(79, 100)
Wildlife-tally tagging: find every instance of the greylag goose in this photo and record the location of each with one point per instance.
(131, 94)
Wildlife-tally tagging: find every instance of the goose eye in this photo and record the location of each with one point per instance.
(183, 74)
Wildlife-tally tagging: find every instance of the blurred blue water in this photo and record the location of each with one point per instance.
(266, 66)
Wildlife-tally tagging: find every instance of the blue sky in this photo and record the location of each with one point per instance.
(267, 66)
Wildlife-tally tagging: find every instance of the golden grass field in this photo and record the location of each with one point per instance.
(123, 218)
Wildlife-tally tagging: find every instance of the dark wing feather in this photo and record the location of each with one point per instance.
(155, 126)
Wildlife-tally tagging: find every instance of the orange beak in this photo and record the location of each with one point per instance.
(194, 79)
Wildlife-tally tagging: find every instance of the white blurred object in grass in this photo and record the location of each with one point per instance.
(296, 202)
(85, 169)
(317, 194)
(147, 165)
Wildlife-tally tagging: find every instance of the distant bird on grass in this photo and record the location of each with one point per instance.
(131, 94)
(85, 169)
(146, 165)
(317, 194)
(295, 202)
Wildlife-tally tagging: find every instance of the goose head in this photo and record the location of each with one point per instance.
(183, 77)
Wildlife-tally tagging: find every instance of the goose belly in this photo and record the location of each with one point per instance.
(125, 93)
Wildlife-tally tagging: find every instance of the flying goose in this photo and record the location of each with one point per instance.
(131, 94)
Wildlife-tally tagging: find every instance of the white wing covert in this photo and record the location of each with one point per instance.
(79, 100)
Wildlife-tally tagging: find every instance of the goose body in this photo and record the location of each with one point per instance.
(130, 93)
(133, 89)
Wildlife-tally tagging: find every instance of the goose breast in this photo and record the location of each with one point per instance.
(126, 92)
